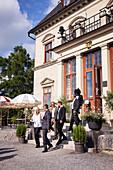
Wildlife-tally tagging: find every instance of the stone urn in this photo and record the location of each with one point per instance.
(95, 124)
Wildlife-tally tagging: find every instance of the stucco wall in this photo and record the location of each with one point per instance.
(99, 39)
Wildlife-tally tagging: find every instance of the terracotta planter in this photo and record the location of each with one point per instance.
(21, 139)
(95, 125)
(79, 147)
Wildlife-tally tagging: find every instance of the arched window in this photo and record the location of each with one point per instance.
(74, 24)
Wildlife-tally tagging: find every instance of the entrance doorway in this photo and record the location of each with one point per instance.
(92, 72)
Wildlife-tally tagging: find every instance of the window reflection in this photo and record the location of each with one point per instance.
(89, 61)
(70, 75)
(47, 95)
(97, 58)
(98, 80)
(89, 84)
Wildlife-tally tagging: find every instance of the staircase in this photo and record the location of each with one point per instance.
(67, 144)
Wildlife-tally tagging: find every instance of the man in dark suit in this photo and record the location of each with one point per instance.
(76, 106)
(61, 118)
(46, 126)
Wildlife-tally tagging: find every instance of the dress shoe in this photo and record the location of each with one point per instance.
(64, 138)
(37, 146)
(45, 150)
(69, 129)
(50, 146)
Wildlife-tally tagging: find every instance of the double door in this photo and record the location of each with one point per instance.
(93, 79)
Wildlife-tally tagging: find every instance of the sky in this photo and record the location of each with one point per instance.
(17, 17)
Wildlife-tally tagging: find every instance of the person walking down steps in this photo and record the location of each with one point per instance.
(61, 118)
(46, 126)
(76, 106)
(37, 119)
(54, 115)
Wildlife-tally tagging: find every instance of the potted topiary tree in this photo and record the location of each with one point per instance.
(61, 30)
(79, 137)
(20, 132)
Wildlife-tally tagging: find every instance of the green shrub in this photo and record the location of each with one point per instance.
(109, 101)
(79, 134)
(21, 130)
(20, 113)
(13, 120)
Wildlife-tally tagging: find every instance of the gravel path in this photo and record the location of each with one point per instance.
(15, 156)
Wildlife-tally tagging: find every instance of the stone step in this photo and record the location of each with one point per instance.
(105, 142)
(64, 144)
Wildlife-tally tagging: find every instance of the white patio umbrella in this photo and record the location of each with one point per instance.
(25, 101)
(4, 102)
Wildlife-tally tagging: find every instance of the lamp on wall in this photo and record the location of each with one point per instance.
(89, 44)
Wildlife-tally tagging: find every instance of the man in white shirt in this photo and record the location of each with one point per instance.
(37, 119)
(54, 115)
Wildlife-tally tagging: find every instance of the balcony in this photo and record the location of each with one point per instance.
(85, 26)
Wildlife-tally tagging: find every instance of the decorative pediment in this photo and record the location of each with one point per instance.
(48, 37)
(77, 19)
(110, 3)
(47, 81)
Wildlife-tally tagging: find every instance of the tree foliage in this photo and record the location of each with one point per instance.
(16, 76)
(65, 103)
(109, 101)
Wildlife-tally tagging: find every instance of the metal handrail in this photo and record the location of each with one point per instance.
(88, 25)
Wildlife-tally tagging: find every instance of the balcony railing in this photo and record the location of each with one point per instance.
(85, 26)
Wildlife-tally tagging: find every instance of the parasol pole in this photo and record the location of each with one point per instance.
(7, 117)
(1, 117)
(25, 115)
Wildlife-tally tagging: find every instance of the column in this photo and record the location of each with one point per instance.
(79, 72)
(60, 80)
(105, 72)
(105, 18)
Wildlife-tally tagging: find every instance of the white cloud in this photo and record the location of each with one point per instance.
(30, 49)
(14, 26)
(52, 4)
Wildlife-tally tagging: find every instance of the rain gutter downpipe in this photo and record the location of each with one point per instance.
(30, 36)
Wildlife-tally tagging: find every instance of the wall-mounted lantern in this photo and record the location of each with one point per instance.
(89, 44)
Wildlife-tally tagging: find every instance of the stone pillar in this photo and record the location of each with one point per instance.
(79, 76)
(79, 72)
(79, 31)
(105, 18)
(60, 80)
(105, 71)
(61, 40)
